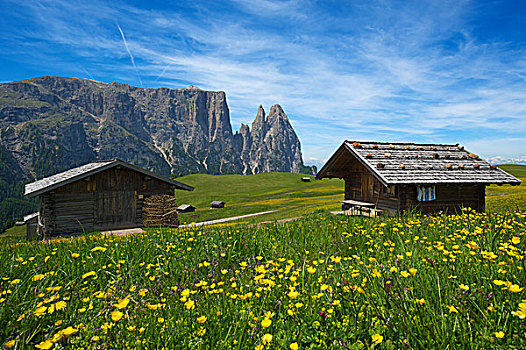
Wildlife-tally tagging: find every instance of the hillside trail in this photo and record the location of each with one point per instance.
(219, 221)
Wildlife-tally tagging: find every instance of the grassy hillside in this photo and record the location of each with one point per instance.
(256, 193)
(506, 197)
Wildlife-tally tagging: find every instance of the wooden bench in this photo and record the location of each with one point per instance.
(354, 206)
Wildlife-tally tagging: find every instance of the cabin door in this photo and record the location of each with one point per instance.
(366, 185)
(115, 209)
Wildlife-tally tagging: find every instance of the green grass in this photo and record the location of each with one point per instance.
(13, 234)
(506, 197)
(321, 282)
(256, 193)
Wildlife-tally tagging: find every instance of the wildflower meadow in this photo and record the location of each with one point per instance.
(321, 282)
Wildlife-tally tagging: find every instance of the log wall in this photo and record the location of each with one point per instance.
(449, 198)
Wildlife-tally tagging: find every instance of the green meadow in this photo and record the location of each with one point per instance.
(320, 282)
(249, 194)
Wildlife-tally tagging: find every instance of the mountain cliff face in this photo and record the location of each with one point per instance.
(50, 124)
(271, 145)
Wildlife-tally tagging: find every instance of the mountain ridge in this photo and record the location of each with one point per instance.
(68, 121)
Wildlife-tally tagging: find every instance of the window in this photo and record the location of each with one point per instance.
(425, 193)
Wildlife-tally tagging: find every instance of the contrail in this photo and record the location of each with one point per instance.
(129, 52)
(162, 73)
(85, 70)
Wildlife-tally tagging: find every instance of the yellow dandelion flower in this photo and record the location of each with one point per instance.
(420, 301)
(190, 304)
(266, 323)
(89, 274)
(412, 271)
(499, 335)
(294, 346)
(452, 309)
(201, 331)
(116, 315)
(515, 288)
(377, 338)
(122, 303)
(40, 310)
(404, 273)
(69, 331)
(464, 287)
(160, 319)
(311, 269)
(38, 277)
(45, 345)
(515, 240)
(201, 319)
(293, 294)
(267, 338)
(10, 344)
(75, 255)
(60, 305)
(98, 249)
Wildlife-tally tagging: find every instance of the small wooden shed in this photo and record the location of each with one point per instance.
(217, 204)
(401, 176)
(31, 222)
(102, 195)
(185, 208)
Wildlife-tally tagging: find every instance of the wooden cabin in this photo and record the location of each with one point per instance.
(401, 176)
(217, 204)
(31, 222)
(100, 196)
(185, 208)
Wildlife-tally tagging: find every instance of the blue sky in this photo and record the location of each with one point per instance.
(418, 71)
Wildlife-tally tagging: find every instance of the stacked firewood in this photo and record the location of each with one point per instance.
(160, 210)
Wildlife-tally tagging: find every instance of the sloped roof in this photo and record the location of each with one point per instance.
(54, 181)
(185, 206)
(412, 163)
(30, 216)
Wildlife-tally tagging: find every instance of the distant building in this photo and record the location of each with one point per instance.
(217, 204)
(400, 176)
(185, 208)
(100, 196)
(305, 179)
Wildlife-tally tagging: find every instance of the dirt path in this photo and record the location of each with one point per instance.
(218, 221)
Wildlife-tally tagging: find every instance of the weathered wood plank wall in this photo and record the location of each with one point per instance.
(110, 199)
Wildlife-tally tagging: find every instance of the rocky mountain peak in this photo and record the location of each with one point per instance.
(260, 117)
(276, 112)
(271, 145)
(50, 124)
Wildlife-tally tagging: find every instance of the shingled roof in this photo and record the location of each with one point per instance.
(83, 171)
(411, 163)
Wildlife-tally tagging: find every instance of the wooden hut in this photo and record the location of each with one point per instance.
(400, 176)
(103, 195)
(185, 208)
(31, 222)
(217, 204)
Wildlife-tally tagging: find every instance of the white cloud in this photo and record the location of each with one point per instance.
(401, 71)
